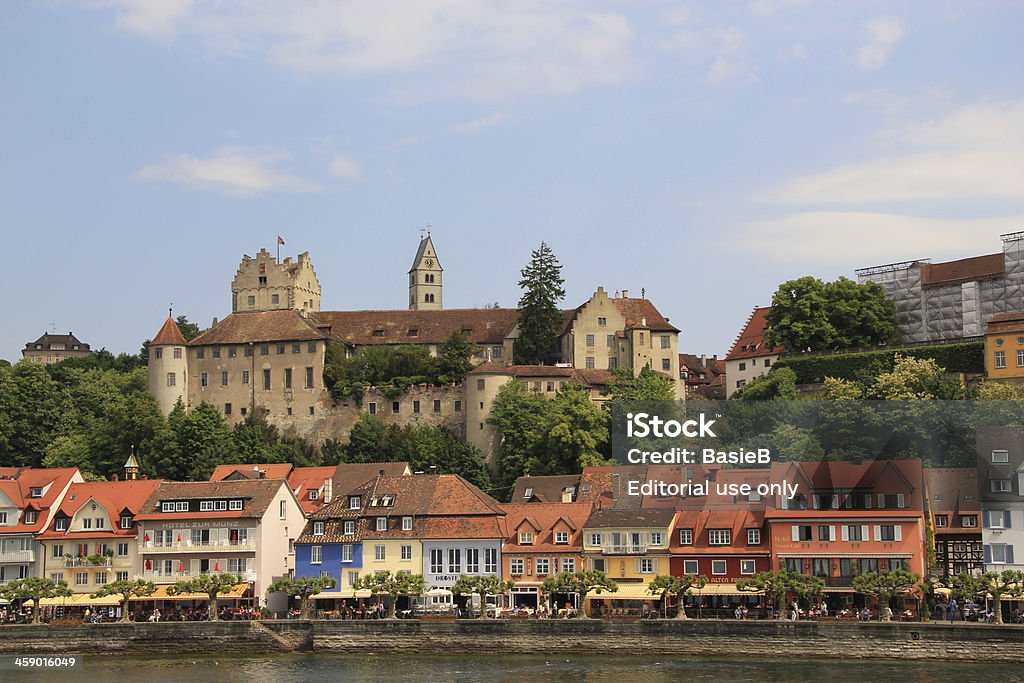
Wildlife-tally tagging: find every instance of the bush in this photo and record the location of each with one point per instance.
(966, 357)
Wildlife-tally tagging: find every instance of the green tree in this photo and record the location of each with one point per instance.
(914, 379)
(482, 585)
(516, 414)
(1007, 583)
(140, 588)
(811, 315)
(806, 586)
(210, 585)
(35, 589)
(540, 319)
(582, 583)
(887, 584)
(573, 434)
(455, 358)
(33, 406)
(664, 585)
(772, 584)
(393, 585)
(645, 386)
(777, 385)
(303, 588)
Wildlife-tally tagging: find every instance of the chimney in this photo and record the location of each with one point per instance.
(380, 472)
(703, 360)
(616, 294)
(625, 294)
(214, 322)
(643, 322)
(116, 478)
(433, 469)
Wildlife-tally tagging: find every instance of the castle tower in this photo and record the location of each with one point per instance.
(263, 284)
(425, 279)
(168, 366)
(131, 467)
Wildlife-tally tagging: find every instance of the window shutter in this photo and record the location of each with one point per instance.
(878, 532)
(898, 532)
(835, 503)
(636, 565)
(867, 501)
(1006, 519)
(881, 500)
(900, 500)
(864, 532)
(816, 500)
(984, 519)
(796, 533)
(654, 565)
(846, 533)
(988, 554)
(832, 533)
(1009, 553)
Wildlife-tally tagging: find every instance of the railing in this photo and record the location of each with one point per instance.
(164, 577)
(17, 556)
(630, 549)
(185, 546)
(88, 561)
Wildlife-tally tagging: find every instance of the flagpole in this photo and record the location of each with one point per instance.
(279, 249)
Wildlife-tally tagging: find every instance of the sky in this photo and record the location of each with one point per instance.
(701, 152)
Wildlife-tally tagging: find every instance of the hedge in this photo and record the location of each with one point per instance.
(966, 357)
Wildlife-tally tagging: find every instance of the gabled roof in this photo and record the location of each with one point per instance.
(1012, 321)
(352, 475)
(114, 497)
(69, 341)
(53, 481)
(169, 335)
(630, 519)
(546, 518)
(369, 328)
(641, 313)
(260, 326)
(544, 489)
(257, 494)
(750, 341)
(953, 491)
(277, 470)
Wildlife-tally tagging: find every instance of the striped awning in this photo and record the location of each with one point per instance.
(161, 593)
(79, 600)
(338, 595)
(627, 591)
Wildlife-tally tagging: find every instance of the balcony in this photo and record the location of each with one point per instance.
(158, 576)
(186, 547)
(93, 561)
(624, 549)
(17, 556)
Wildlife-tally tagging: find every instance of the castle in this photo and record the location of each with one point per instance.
(267, 357)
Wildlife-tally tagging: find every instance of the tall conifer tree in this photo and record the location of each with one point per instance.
(539, 316)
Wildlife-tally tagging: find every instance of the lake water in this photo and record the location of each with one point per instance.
(515, 669)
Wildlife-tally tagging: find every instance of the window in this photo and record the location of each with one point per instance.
(266, 379)
(719, 536)
(245, 376)
(371, 407)
(318, 528)
(491, 561)
(436, 560)
(826, 532)
(686, 537)
(122, 576)
(473, 560)
(602, 322)
(1000, 457)
(264, 349)
(1020, 358)
(747, 567)
(1000, 485)
(666, 341)
(248, 350)
(941, 521)
(379, 553)
(802, 532)
(283, 509)
(767, 362)
(280, 348)
(999, 554)
(234, 505)
(167, 507)
(316, 554)
(854, 532)
(158, 356)
(753, 537)
(610, 341)
(122, 550)
(31, 516)
(406, 552)
(60, 525)
(718, 567)
(82, 578)
(406, 523)
(596, 538)
(58, 550)
(590, 341)
(666, 363)
(349, 527)
(561, 537)
(646, 565)
(689, 566)
(525, 538)
(177, 353)
(891, 500)
(641, 337)
(887, 532)
(515, 566)
(86, 523)
(458, 406)
(206, 506)
(743, 366)
(395, 407)
(999, 359)
(382, 524)
(171, 381)
(740, 383)
(309, 378)
(657, 538)
(542, 566)
(590, 362)
(232, 351)
(968, 521)
(454, 560)
(227, 408)
(100, 578)
(998, 519)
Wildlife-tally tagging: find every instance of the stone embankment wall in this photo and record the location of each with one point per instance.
(931, 641)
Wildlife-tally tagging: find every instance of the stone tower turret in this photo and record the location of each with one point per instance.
(263, 284)
(425, 278)
(168, 366)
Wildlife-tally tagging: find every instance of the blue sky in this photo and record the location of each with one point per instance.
(702, 151)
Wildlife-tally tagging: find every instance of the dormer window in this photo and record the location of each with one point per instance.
(349, 527)
(406, 523)
(126, 522)
(222, 505)
(35, 492)
(382, 524)
(234, 505)
(561, 537)
(31, 516)
(528, 493)
(379, 332)
(167, 507)
(314, 494)
(61, 524)
(353, 502)
(413, 332)
(1000, 457)
(525, 538)
(318, 528)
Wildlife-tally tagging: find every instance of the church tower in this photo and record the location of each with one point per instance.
(425, 279)
(168, 366)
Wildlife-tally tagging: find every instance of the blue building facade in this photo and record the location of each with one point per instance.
(343, 562)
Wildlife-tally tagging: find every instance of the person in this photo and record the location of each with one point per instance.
(865, 614)
(887, 613)
(739, 612)
(952, 610)
(941, 611)
(824, 610)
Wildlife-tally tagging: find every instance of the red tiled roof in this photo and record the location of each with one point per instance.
(963, 270)
(544, 489)
(52, 480)
(112, 496)
(365, 328)
(522, 370)
(570, 517)
(258, 494)
(1012, 321)
(274, 470)
(750, 342)
(642, 313)
(169, 335)
(260, 326)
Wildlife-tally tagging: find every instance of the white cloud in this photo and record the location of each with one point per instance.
(720, 51)
(346, 168)
(860, 239)
(883, 34)
(230, 170)
(971, 153)
(477, 124)
(471, 47)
